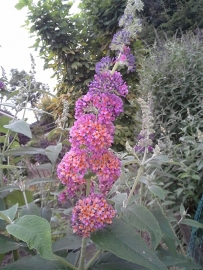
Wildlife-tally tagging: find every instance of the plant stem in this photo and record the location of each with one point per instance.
(141, 191)
(140, 171)
(66, 263)
(1, 174)
(88, 186)
(16, 255)
(114, 68)
(82, 254)
(7, 219)
(93, 259)
(25, 198)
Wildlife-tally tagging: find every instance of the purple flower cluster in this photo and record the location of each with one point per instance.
(107, 82)
(76, 164)
(127, 58)
(104, 64)
(91, 214)
(120, 39)
(89, 159)
(106, 106)
(90, 134)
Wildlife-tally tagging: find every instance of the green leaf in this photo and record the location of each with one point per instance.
(25, 150)
(45, 166)
(2, 222)
(142, 219)
(192, 223)
(36, 232)
(164, 223)
(36, 181)
(35, 263)
(2, 257)
(157, 191)
(19, 6)
(11, 212)
(109, 261)
(7, 244)
(20, 126)
(4, 120)
(53, 151)
(46, 213)
(9, 188)
(16, 196)
(195, 177)
(68, 242)
(30, 209)
(10, 166)
(176, 259)
(122, 240)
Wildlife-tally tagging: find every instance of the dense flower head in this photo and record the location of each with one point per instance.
(90, 214)
(91, 134)
(71, 171)
(73, 167)
(106, 106)
(104, 64)
(108, 82)
(127, 58)
(120, 39)
(107, 167)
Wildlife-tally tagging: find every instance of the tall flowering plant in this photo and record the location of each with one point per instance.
(90, 169)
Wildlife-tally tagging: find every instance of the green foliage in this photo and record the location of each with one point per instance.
(109, 261)
(71, 45)
(35, 263)
(121, 239)
(167, 18)
(141, 218)
(36, 232)
(173, 74)
(20, 126)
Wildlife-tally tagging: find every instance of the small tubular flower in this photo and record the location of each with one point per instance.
(90, 214)
(108, 82)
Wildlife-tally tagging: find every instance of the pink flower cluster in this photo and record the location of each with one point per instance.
(75, 165)
(91, 214)
(90, 158)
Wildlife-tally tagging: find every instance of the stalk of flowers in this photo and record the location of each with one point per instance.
(90, 169)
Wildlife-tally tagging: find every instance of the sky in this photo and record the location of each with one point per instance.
(15, 42)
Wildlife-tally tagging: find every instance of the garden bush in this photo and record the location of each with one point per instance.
(116, 213)
(173, 75)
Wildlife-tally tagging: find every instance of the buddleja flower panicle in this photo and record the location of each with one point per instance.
(107, 82)
(104, 105)
(104, 65)
(91, 134)
(90, 214)
(120, 39)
